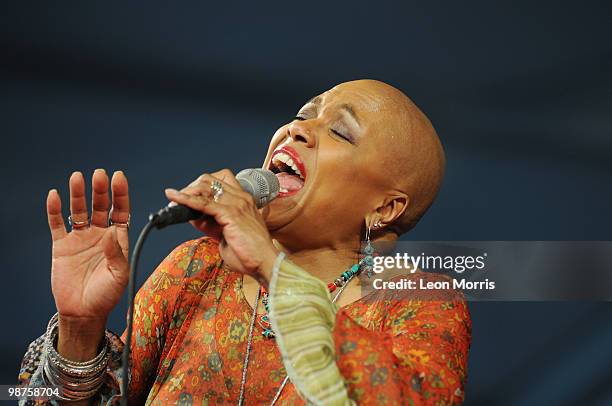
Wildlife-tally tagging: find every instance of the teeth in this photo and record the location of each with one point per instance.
(283, 190)
(282, 157)
(286, 159)
(296, 170)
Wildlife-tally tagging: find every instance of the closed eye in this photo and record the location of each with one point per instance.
(345, 137)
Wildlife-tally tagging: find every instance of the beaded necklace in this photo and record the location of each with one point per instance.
(341, 282)
(264, 319)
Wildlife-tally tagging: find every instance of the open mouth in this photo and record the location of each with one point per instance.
(289, 169)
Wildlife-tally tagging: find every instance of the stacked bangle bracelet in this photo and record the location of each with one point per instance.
(78, 380)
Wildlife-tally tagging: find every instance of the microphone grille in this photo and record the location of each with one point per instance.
(262, 184)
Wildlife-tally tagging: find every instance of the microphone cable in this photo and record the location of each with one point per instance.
(125, 356)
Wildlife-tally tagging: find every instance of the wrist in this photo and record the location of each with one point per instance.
(82, 375)
(267, 265)
(79, 339)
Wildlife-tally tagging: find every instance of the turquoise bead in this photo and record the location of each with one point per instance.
(344, 277)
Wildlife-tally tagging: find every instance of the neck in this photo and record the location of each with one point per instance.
(325, 263)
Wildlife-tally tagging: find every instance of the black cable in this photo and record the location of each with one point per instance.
(125, 357)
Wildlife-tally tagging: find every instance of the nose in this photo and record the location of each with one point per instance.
(302, 131)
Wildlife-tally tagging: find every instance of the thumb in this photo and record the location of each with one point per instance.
(116, 260)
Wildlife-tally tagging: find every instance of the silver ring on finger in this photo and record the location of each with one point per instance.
(77, 225)
(217, 189)
(117, 223)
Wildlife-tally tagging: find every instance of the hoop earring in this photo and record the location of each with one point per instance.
(367, 263)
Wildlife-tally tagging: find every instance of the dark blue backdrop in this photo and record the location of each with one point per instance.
(520, 92)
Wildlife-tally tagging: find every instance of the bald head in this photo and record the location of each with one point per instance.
(413, 158)
(368, 154)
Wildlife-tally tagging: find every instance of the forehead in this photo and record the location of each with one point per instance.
(377, 109)
(359, 98)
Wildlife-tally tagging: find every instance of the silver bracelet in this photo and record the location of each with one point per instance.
(79, 380)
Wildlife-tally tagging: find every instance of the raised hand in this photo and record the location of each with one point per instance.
(89, 269)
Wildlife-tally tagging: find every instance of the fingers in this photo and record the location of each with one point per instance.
(220, 212)
(54, 215)
(190, 198)
(224, 175)
(228, 177)
(120, 212)
(199, 196)
(121, 198)
(78, 204)
(115, 257)
(99, 198)
(202, 185)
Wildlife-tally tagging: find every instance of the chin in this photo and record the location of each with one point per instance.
(280, 212)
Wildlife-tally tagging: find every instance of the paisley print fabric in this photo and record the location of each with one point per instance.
(191, 325)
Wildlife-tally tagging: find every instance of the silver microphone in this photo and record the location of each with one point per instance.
(262, 184)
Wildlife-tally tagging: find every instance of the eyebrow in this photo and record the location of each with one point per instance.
(315, 100)
(348, 108)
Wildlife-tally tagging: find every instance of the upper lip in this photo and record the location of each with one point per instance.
(293, 154)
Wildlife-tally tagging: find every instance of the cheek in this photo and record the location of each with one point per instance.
(339, 184)
(335, 174)
(336, 206)
(341, 166)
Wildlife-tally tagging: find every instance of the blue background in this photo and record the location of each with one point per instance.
(519, 91)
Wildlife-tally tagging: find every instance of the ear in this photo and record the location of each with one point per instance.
(391, 208)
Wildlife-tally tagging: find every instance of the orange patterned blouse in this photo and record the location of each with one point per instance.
(191, 325)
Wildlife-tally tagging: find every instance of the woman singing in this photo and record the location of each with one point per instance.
(271, 306)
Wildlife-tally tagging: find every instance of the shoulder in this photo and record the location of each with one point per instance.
(434, 323)
(203, 248)
(191, 257)
(190, 263)
(411, 301)
(433, 305)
